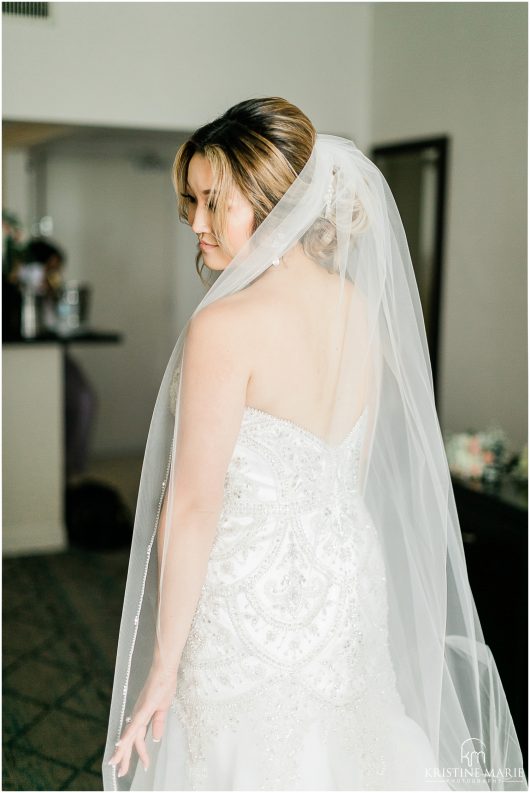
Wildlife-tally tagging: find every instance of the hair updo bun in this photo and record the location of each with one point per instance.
(321, 239)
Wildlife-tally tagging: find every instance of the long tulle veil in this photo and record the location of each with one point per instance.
(341, 209)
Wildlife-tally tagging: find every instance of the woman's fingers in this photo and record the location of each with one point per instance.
(122, 743)
(122, 754)
(121, 757)
(134, 737)
(139, 742)
(159, 720)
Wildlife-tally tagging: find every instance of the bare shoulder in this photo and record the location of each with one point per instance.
(237, 312)
(228, 314)
(222, 327)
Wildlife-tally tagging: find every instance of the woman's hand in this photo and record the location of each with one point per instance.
(153, 702)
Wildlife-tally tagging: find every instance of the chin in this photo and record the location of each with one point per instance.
(217, 263)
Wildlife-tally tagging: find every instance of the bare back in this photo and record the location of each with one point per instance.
(288, 320)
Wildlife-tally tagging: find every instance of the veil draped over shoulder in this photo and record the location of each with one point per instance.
(341, 210)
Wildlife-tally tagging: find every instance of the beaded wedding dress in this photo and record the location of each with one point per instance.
(286, 680)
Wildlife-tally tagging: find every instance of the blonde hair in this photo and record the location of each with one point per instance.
(258, 146)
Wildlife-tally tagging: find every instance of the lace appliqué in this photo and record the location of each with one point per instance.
(291, 625)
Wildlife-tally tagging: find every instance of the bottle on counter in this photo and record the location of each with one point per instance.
(29, 323)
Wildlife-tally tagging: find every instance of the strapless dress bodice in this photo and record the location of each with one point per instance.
(276, 462)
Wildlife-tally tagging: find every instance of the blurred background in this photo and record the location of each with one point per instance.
(98, 280)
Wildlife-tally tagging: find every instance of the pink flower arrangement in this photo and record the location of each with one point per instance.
(477, 455)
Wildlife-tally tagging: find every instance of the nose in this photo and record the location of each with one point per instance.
(201, 222)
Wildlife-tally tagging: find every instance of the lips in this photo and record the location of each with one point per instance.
(207, 244)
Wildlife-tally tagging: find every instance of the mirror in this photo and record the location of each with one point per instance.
(416, 172)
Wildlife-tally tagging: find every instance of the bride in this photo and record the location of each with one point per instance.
(297, 613)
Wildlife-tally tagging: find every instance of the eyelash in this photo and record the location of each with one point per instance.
(209, 205)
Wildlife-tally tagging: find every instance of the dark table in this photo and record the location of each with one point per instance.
(494, 525)
(87, 336)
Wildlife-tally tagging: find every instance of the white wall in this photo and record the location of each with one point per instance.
(176, 65)
(32, 450)
(16, 184)
(460, 69)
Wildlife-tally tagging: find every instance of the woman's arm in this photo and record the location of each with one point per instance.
(215, 372)
(187, 555)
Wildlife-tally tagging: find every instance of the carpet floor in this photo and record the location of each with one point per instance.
(61, 615)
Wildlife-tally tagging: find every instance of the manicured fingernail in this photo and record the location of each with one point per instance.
(120, 773)
(156, 740)
(111, 762)
(145, 768)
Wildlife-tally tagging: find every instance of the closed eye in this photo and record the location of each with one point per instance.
(209, 205)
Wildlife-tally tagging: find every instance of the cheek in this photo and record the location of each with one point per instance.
(241, 224)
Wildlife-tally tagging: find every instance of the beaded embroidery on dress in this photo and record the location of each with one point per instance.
(286, 680)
